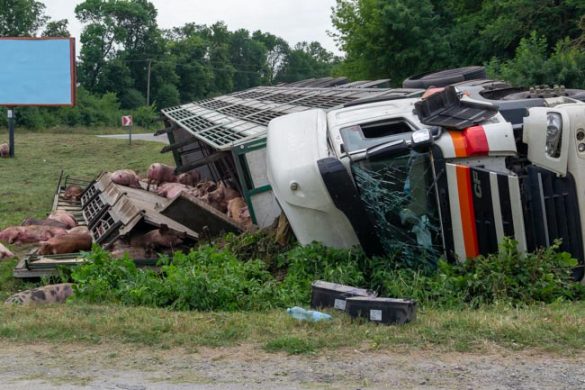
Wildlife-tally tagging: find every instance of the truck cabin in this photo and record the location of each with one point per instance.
(449, 176)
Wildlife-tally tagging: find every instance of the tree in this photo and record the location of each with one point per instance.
(56, 28)
(306, 60)
(115, 26)
(21, 17)
(389, 38)
(276, 51)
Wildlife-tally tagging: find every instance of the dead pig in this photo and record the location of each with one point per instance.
(126, 177)
(54, 293)
(237, 209)
(66, 243)
(73, 192)
(64, 217)
(171, 190)
(79, 230)
(119, 249)
(29, 234)
(158, 238)
(160, 173)
(44, 222)
(5, 252)
(219, 198)
(190, 178)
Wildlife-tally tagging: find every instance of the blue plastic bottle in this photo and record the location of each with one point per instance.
(307, 315)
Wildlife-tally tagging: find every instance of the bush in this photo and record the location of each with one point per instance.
(508, 276)
(204, 279)
(213, 278)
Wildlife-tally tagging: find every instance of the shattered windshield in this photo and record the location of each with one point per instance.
(399, 195)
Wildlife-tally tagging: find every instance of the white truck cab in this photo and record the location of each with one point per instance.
(447, 175)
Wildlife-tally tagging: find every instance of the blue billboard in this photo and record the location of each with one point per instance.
(37, 71)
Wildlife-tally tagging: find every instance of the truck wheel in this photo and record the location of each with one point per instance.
(445, 77)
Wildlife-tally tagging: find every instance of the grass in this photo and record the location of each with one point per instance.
(29, 180)
(556, 328)
(28, 184)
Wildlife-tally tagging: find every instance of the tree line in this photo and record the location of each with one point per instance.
(127, 62)
(526, 42)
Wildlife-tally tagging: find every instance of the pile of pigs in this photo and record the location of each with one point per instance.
(61, 233)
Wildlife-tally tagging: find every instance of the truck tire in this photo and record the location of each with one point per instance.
(445, 77)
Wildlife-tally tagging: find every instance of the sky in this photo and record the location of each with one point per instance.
(293, 20)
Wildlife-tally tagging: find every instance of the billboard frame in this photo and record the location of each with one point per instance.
(72, 64)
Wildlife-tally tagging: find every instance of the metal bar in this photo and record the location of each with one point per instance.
(207, 160)
(11, 124)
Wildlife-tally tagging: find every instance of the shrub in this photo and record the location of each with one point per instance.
(508, 276)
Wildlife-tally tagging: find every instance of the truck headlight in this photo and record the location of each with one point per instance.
(554, 126)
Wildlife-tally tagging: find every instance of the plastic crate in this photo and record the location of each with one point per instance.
(326, 294)
(382, 310)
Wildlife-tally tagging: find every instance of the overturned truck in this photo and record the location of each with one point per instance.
(450, 172)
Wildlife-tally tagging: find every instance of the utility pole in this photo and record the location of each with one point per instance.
(148, 84)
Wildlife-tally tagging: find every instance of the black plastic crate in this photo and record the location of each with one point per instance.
(382, 310)
(326, 294)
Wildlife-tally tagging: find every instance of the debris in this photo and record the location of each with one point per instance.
(307, 315)
(382, 310)
(333, 295)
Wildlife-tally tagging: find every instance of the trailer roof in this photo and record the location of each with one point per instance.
(225, 121)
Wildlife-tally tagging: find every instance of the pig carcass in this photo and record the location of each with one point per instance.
(64, 217)
(126, 177)
(5, 252)
(53, 293)
(237, 209)
(66, 243)
(171, 190)
(4, 150)
(73, 192)
(121, 248)
(44, 222)
(162, 237)
(160, 173)
(79, 230)
(190, 178)
(219, 198)
(29, 234)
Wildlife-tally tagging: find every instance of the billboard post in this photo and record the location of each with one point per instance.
(10, 113)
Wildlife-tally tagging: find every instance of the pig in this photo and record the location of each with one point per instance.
(79, 230)
(44, 222)
(53, 293)
(190, 178)
(64, 217)
(72, 192)
(120, 248)
(66, 243)
(219, 198)
(237, 209)
(126, 177)
(30, 234)
(204, 188)
(171, 190)
(4, 150)
(5, 252)
(162, 237)
(160, 173)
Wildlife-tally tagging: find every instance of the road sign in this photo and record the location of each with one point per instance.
(127, 120)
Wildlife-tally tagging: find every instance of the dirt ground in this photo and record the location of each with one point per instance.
(44, 366)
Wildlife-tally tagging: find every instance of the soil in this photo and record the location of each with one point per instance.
(50, 366)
